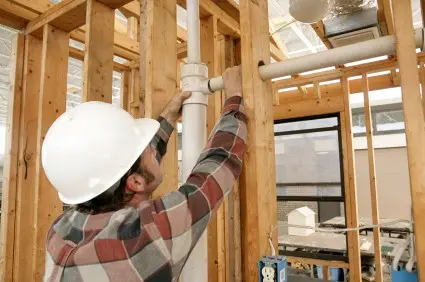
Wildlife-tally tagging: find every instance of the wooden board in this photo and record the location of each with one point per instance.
(98, 59)
(414, 121)
(10, 171)
(258, 179)
(158, 75)
(27, 169)
(125, 90)
(52, 103)
(66, 15)
(372, 180)
(349, 176)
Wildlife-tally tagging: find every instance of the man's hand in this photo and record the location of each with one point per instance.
(232, 78)
(173, 110)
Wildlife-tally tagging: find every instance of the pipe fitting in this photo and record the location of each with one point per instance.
(194, 78)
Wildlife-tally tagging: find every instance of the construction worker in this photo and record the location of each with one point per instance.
(107, 165)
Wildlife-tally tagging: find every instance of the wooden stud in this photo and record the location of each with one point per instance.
(351, 207)
(131, 9)
(325, 270)
(98, 59)
(134, 75)
(423, 12)
(414, 121)
(27, 166)
(52, 103)
(10, 172)
(258, 179)
(372, 183)
(158, 75)
(79, 55)
(125, 89)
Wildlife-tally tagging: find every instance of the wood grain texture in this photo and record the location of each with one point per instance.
(414, 121)
(258, 179)
(27, 167)
(98, 59)
(158, 74)
(351, 206)
(52, 103)
(10, 171)
(372, 180)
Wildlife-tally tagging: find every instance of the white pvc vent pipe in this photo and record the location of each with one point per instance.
(382, 46)
(194, 139)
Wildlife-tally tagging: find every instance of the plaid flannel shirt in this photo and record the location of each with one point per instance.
(151, 242)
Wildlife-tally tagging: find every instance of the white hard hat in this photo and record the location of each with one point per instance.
(309, 11)
(90, 147)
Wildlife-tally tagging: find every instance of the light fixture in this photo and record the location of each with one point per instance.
(309, 11)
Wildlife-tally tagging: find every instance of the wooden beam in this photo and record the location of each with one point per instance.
(414, 121)
(131, 9)
(11, 20)
(27, 169)
(210, 55)
(258, 179)
(52, 103)
(351, 206)
(98, 59)
(330, 263)
(24, 9)
(115, 4)
(158, 75)
(134, 105)
(66, 15)
(335, 89)
(319, 28)
(10, 172)
(422, 78)
(372, 181)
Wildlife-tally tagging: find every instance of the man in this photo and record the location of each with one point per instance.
(98, 159)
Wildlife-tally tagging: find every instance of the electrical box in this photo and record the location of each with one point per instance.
(272, 269)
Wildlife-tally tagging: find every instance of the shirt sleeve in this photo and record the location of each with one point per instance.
(183, 215)
(160, 140)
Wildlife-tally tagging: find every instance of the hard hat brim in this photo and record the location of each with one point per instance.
(149, 127)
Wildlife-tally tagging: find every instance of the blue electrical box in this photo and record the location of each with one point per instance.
(402, 275)
(272, 269)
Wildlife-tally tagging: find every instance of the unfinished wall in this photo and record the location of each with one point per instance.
(392, 180)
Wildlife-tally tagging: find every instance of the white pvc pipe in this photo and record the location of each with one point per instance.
(382, 46)
(193, 141)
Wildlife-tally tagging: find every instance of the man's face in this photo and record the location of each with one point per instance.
(149, 163)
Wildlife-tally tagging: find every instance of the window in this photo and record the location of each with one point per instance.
(386, 119)
(309, 174)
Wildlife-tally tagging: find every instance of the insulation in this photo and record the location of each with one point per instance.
(344, 7)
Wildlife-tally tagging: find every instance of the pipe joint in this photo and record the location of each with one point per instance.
(194, 78)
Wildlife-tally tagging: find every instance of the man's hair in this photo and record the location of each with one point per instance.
(116, 197)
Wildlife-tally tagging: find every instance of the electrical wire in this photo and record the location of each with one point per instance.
(330, 230)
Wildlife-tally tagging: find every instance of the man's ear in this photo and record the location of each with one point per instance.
(136, 183)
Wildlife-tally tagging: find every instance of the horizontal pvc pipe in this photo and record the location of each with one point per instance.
(382, 46)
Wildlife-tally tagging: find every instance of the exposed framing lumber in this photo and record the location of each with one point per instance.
(414, 121)
(131, 9)
(385, 16)
(330, 263)
(52, 103)
(319, 28)
(423, 12)
(258, 178)
(10, 172)
(351, 206)
(372, 181)
(27, 170)
(98, 59)
(125, 87)
(422, 78)
(66, 15)
(158, 75)
(27, 10)
(211, 55)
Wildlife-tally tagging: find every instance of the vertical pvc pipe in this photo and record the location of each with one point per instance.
(194, 140)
